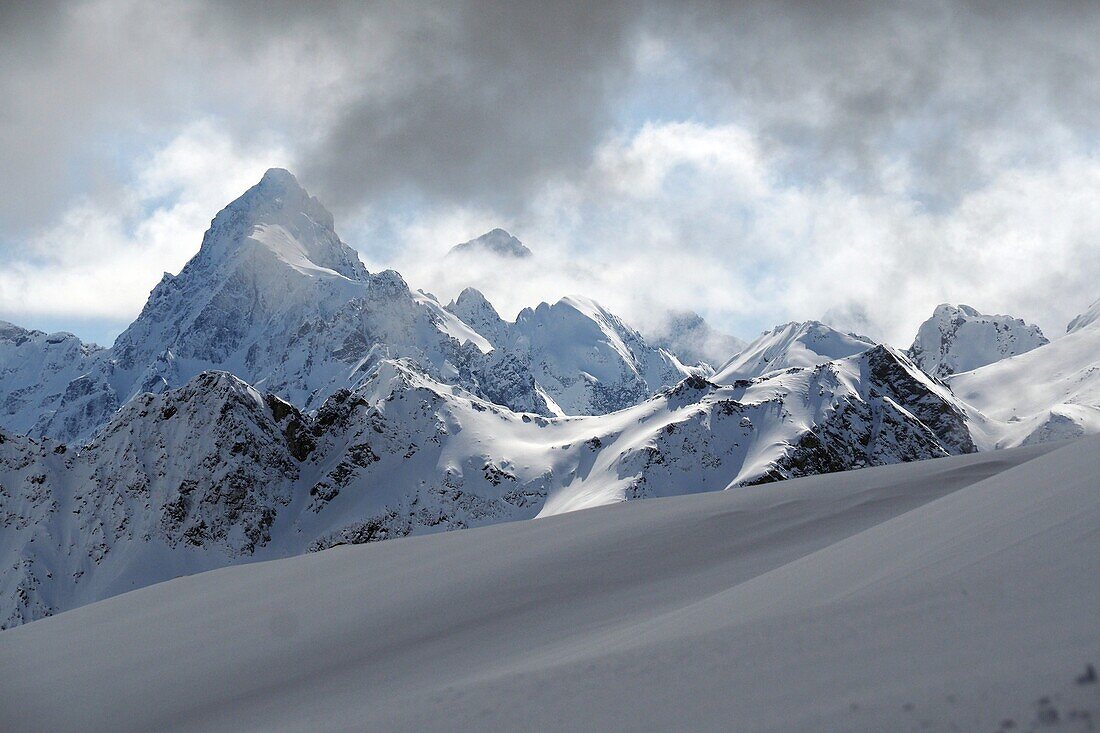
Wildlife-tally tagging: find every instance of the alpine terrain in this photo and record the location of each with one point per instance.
(274, 398)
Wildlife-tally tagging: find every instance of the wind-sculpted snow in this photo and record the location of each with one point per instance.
(216, 473)
(958, 338)
(948, 595)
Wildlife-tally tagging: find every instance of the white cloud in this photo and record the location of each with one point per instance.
(676, 215)
(687, 215)
(100, 260)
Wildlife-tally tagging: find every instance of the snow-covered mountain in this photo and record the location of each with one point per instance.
(583, 359)
(495, 242)
(1092, 315)
(1048, 393)
(274, 297)
(791, 345)
(215, 472)
(41, 374)
(959, 338)
(275, 398)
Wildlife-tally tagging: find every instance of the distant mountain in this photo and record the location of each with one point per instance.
(793, 344)
(959, 338)
(52, 383)
(276, 298)
(583, 359)
(1089, 317)
(496, 242)
(1048, 393)
(275, 398)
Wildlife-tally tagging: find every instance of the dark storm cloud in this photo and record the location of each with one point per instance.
(849, 89)
(478, 101)
(496, 97)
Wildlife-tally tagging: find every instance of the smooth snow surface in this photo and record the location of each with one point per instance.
(954, 594)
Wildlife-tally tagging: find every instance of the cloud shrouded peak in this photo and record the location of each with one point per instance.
(736, 160)
(496, 242)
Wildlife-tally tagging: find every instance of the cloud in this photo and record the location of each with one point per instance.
(754, 161)
(101, 261)
(952, 92)
(484, 101)
(687, 215)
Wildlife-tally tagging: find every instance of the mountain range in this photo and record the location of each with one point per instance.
(275, 398)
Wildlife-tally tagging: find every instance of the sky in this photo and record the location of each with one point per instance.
(857, 163)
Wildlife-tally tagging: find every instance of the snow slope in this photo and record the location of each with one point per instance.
(941, 595)
(1049, 393)
(216, 473)
(791, 345)
(959, 338)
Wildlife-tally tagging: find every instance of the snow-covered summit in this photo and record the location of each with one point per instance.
(793, 344)
(496, 242)
(278, 214)
(474, 308)
(958, 338)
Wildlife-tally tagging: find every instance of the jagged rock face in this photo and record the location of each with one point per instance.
(214, 472)
(51, 382)
(958, 338)
(34, 482)
(899, 415)
(806, 344)
(208, 464)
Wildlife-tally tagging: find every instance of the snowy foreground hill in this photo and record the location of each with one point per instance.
(275, 398)
(950, 595)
